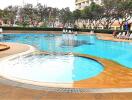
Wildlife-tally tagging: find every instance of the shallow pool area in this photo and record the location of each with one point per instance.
(51, 68)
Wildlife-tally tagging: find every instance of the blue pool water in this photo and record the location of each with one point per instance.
(51, 68)
(84, 44)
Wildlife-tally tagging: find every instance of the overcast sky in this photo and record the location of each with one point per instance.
(51, 3)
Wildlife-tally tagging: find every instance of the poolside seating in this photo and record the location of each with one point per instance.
(130, 37)
(119, 35)
(64, 31)
(91, 32)
(127, 35)
(123, 35)
(70, 31)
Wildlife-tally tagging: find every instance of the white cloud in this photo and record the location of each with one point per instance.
(52, 3)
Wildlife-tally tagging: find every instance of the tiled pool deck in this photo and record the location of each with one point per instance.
(15, 93)
(113, 76)
(109, 37)
(14, 49)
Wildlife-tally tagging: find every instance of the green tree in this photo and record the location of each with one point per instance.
(109, 14)
(27, 15)
(96, 12)
(9, 14)
(76, 16)
(124, 11)
(65, 16)
(1, 13)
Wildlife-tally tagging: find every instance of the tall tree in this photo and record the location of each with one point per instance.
(96, 12)
(65, 16)
(28, 15)
(1, 13)
(124, 11)
(9, 14)
(76, 16)
(109, 14)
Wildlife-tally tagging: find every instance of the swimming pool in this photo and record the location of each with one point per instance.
(84, 44)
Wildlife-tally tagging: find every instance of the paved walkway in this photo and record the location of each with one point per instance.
(16, 93)
(14, 49)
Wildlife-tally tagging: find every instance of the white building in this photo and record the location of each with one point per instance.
(81, 4)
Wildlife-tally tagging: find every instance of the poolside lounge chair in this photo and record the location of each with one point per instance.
(127, 35)
(64, 31)
(130, 37)
(119, 35)
(70, 31)
(91, 32)
(123, 35)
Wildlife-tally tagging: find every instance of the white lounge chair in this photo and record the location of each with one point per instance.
(127, 35)
(64, 31)
(91, 32)
(119, 35)
(70, 31)
(123, 35)
(130, 37)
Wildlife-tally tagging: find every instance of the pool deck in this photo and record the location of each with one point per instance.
(15, 48)
(15, 93)
(47, 32)
(15, 32)
(109, 37)
(114, 76)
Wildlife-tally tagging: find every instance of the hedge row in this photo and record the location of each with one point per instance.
(31, 29)
(57, 29)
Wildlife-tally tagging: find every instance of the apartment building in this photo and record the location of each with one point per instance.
(81, 4)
